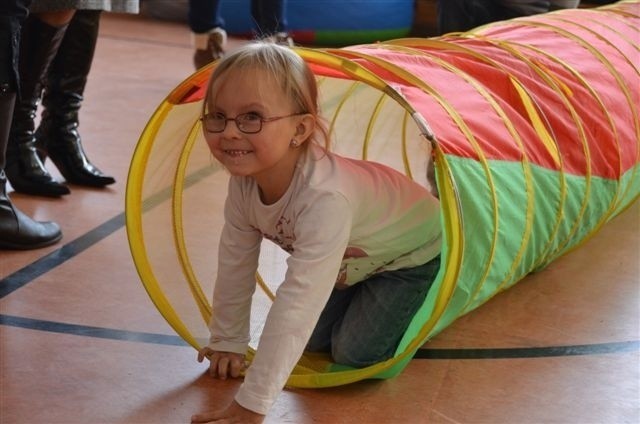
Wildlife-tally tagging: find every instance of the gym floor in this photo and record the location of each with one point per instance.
(80, 341)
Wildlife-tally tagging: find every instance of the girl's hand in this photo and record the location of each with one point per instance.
(232, 414)
(223, 364)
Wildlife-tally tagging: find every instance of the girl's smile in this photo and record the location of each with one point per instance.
(236, 153)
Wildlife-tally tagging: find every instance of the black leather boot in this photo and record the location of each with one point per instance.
(25, 170)
(58, 136)
(20, 232)
(17, 230)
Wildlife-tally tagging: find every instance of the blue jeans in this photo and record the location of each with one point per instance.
(268, 15)
(363, 324)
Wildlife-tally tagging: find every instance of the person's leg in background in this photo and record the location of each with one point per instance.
(207, 28)
(564, 4)
(58, 136)
(270, 18)
(516, 8)
(41, 37)
(463, 15)
(17, 230)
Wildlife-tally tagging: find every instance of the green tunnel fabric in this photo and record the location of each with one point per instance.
(532, 125)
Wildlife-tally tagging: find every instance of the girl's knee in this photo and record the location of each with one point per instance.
(318, 345)
(355, 356)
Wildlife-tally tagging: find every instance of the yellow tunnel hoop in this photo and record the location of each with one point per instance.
(133, 219)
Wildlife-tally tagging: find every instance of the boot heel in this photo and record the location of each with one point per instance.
(75, 167)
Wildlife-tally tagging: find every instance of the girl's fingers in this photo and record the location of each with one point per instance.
(222, 364)
(223, 367)
(198, 418)
(213, 365)
(237, 365)
(204, 418)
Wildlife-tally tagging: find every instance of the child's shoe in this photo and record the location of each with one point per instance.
(281, 38)
(209, 46)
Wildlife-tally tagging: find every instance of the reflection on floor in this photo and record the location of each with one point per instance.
(80, 341)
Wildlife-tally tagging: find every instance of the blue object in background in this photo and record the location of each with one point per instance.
(331, 22)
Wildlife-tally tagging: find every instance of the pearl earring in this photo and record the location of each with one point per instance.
(294, 143)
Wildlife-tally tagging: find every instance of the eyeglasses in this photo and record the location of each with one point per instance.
(248, 123)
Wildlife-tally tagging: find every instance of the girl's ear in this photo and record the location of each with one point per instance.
(306, 126)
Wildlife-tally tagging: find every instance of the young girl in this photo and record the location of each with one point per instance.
(363, 239)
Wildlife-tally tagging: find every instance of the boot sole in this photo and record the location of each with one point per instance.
(4, 245)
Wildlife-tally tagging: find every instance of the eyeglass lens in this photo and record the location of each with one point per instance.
(247, 123)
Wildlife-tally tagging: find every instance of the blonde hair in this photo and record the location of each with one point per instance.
(286, 67)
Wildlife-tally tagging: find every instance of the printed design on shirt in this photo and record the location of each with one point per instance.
(284, 236)
(349, 253)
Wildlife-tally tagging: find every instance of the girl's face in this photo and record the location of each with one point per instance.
(267, 155)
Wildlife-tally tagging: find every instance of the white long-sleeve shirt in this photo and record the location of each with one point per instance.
(341, 220)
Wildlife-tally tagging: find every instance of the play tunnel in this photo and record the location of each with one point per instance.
(531, 126)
